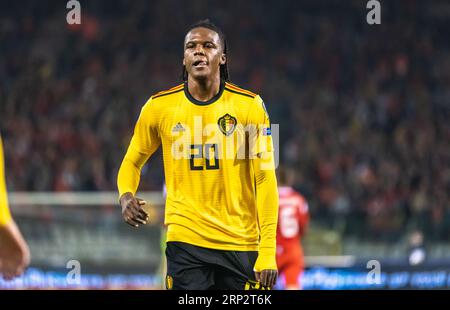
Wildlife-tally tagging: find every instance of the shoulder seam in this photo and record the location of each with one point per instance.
(168, 92)
(239, 93)
(239, 89)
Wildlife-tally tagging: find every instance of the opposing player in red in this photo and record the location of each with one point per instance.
(293, 219)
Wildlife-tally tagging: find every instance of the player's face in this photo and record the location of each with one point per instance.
(203, 53)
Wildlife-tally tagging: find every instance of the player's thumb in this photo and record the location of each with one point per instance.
(141, 202)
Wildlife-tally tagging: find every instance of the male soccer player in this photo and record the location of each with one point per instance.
(222, 200)
(14, 252)
(293, 218)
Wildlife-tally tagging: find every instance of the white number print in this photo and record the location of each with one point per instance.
(288, 222)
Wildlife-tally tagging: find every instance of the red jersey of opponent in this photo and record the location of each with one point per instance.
(293, 218)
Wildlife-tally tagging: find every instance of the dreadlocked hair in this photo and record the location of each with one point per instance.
(206, 23)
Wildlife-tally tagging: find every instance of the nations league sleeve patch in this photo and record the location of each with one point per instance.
(267, 131)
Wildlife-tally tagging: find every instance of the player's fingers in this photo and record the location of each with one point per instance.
(135, 219)
(272, 278)
(130, 221)
(140, 221)
(137, 214)
(132, 225)
(134, 209)
(264, 278)
(141, 202)
(134, 213)
(258, 276)
(140, 213)
(143, 213)
(275, 277)
(127, 214)
(267, 280)
(267, 277)
(129, 206)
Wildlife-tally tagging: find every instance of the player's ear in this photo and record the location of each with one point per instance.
(184, 63)
(223, 59)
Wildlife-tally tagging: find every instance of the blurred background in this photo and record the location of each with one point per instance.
(363, 113)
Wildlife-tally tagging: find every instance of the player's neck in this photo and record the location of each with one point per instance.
(203, 90)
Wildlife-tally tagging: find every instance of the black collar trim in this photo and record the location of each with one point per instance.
(198, 102)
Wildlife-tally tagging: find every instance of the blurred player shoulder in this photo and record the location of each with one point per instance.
(290, 196)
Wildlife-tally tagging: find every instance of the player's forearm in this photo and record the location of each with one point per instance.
(5, 215)
(130, 171)
(267, 204)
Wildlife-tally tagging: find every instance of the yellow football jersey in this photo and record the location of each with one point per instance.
(208, 149)
(5, 215)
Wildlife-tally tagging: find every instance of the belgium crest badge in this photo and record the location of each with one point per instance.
(227, 124)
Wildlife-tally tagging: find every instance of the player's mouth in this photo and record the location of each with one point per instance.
(200, 64)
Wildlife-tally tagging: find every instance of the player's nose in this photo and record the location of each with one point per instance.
(199, 54)
(199, 51)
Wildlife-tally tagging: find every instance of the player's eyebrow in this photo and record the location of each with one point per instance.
(195, 41)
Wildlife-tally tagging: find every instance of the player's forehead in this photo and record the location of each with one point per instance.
(201, 34)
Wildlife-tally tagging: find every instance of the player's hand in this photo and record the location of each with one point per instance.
(132, 211)
(14, 252)
(267, 277)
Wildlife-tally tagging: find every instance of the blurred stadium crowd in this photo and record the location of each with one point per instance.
(363, 110)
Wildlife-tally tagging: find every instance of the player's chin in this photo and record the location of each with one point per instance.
(201, 74)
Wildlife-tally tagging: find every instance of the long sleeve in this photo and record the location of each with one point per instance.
(143, 144)
(262, 157)
(267, 204)
(5, 215)
(130, 171)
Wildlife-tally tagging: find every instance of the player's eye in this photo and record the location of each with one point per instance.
(209, 45)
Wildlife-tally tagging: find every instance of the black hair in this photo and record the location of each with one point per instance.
(206, 23)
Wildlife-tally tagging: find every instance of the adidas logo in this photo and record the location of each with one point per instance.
(178, 127)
